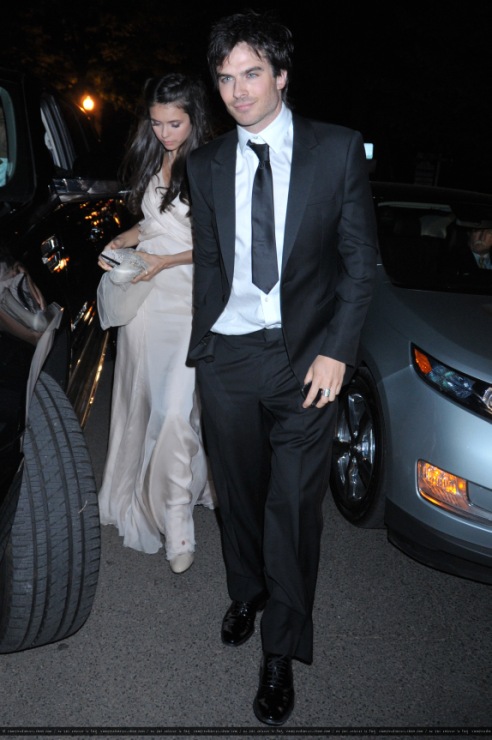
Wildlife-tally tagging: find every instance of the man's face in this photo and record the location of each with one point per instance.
(251, 94)
(480, 240)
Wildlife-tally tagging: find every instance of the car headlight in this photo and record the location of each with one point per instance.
(472, 393)
(442, 488)
(448, 491)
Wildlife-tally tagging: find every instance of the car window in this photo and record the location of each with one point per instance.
(17, 179)
(70, 138)
(7, 150)
(428, 245)
(57, 136)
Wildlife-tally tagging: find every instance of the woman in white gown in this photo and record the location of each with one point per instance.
(156, 468)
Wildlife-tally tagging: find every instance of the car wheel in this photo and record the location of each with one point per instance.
(49, 573)
(357, 460)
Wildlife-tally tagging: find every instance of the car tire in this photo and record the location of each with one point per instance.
(357, 458)
(49, 573)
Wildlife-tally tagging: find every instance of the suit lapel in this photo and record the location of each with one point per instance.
(224, 198)
(224, 189)
(301, 177)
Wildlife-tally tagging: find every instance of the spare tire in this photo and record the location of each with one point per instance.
(49, 573)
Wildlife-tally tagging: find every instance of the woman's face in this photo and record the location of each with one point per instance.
(170, 124)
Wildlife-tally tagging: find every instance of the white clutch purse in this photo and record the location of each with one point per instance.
(126, 264)
(118, 299)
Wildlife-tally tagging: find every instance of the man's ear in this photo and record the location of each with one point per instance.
(282, 79)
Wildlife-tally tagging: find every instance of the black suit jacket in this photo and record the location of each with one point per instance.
(330, 242)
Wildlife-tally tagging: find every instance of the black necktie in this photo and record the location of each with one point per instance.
(263, 250)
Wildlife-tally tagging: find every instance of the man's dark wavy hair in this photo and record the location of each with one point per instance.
(261, 31)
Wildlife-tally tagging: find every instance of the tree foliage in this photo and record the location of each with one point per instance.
(102, 46)
(408, 75)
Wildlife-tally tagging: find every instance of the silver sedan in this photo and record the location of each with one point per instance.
(413, 446)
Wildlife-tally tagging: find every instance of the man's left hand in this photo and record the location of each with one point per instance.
(325, 375)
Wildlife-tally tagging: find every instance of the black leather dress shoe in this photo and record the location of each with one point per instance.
(274, 701)
(239, 622)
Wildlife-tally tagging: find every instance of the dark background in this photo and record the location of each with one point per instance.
(413, 77)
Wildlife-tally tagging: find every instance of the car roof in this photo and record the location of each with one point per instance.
(428, 193)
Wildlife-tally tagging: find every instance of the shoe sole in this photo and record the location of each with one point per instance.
(241, 642)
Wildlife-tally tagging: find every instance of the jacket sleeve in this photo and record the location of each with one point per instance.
(357, 253)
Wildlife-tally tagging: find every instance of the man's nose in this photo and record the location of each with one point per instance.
(239, 88)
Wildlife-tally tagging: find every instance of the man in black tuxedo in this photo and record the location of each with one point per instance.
(271, 359)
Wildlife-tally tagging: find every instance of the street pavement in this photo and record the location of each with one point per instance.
(401, 650)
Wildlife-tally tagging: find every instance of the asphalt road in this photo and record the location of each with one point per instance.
(400, 649)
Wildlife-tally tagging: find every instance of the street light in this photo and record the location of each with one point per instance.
(88, 103)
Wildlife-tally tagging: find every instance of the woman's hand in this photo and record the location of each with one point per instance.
(155, 263)
(106, 265)
(125, 239)
(158, 262)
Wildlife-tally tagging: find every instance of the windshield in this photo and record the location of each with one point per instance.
(437, 246)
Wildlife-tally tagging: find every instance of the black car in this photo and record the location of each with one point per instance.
(60, 204)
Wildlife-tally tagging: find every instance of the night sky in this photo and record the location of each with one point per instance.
(413, 77)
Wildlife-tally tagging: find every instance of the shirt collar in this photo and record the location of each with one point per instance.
(485, 257)
(273, 135)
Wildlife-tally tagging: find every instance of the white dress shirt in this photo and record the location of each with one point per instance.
(248, 308)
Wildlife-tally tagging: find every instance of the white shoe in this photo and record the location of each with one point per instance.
(182, 562)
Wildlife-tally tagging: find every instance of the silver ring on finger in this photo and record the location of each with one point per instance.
(326, 392)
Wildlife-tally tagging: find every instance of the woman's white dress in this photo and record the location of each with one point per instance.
(156, 469)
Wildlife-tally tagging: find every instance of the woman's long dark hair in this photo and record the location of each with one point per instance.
(143, 158)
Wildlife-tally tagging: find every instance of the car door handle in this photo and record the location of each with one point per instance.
(52, 254)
